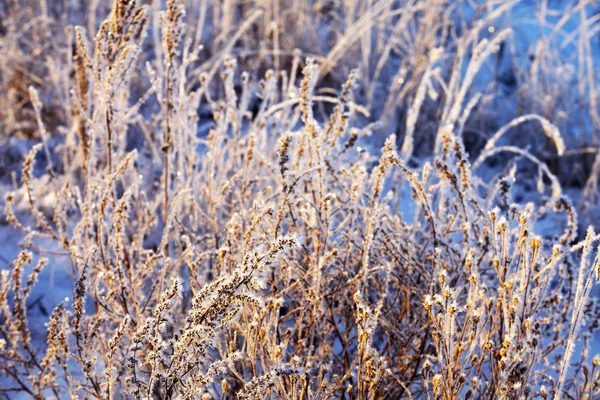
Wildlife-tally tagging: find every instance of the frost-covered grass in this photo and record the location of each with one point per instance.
(296, 199)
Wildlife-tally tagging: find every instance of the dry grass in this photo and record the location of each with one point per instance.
(273, 257)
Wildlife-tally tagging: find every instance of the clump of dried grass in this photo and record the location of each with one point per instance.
(274, 258)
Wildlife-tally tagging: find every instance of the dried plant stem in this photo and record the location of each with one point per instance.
(167, 146)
